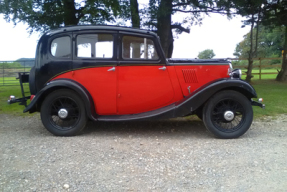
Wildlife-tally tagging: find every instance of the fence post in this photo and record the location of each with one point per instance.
(259, 68)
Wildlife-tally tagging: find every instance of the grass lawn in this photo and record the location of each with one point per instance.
(5, 92)
(9, 81)
(274, 94)
(263, 76)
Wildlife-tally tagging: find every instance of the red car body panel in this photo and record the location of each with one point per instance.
(195, 76)
(138, 89)
(143, 88)
(100, 83)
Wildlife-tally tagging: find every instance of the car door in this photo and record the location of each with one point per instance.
(94, 67)
(143, 78)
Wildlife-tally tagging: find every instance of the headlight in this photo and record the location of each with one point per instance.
(236, 73)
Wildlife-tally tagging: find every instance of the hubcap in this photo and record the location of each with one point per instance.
(228, 115)
(62, 113)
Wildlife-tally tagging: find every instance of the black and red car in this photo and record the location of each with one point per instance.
(108, 73)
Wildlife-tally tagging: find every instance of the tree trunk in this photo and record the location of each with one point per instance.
(70, 13)
(250, 58)
(164, 26)
(135, 13)
(136, 24)
(282, 75)
(170, 48)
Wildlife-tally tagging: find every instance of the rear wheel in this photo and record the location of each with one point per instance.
(63, 113)
(228, 114)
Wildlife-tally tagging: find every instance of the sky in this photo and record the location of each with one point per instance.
(216, 32)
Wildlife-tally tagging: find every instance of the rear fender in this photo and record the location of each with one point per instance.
(35, 104)
(200, 96)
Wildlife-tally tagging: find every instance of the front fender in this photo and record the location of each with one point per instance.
(60, 84)
(200, 96)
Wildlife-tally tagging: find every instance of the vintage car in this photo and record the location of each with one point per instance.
(109, 73)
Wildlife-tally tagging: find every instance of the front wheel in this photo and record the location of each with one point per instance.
(63, 113)
(228, 114)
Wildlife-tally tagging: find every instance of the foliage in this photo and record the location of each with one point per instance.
(10, 65)
(206, 54)
(251, 10)
(275, 15)
(270, 43)
(46, 14)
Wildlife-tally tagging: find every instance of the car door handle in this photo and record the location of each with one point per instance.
(112, 69)
(162, 68)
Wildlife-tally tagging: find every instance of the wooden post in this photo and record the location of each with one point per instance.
(259, 68)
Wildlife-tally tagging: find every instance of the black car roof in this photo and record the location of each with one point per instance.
(98, 27)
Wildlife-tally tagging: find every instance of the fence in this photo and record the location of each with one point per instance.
(263, 69)
(9, 71)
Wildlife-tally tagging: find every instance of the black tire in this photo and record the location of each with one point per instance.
(218, 118)
(76, 118)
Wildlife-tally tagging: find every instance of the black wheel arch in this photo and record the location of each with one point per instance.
(36, 103)
(198, 98)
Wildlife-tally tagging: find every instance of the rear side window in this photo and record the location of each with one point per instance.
(138, 48)
(95, 46)
(61, 47)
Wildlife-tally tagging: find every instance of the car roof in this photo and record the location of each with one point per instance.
(99, 27)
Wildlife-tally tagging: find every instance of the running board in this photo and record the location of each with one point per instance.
(165, 112)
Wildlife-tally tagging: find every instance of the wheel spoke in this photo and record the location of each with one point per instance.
(218, 115)
(73, 113)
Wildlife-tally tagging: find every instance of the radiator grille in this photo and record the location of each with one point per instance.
(189, 76)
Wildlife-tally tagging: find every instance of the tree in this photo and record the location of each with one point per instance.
(251, 9)
(270, 43)
(46, 14)
(275, 14)
(206, 54)
(161, 11)
(134, 9)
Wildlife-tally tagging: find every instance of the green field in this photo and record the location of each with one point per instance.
(275, 97)
(274, 94)
(263, 76)
(5, 92)
(9, 81)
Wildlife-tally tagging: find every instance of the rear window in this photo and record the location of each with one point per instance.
(138, 48)
(61, 47)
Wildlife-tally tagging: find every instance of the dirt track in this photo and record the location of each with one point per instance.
(168, 155)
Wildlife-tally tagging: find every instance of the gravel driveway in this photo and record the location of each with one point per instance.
(167, 155)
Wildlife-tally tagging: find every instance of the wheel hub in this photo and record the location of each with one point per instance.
(228, 115)
(63, 113)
